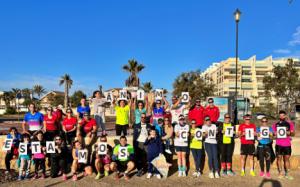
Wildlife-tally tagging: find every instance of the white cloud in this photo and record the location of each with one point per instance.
(282, 51)
(295, 38)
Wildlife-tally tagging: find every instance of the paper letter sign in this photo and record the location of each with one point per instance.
(123, 95)
(158, 94)
(22, 149)
(108, 96)
(264, 132)
(183, 135)
(82, 156)
(212, 133)
(122, 155)
(102, 148)
(36, 147)
(140, 95)
(229, 132)
(281, 132)
(7, 144)
(198, 134)
(185, 97)
(249, 134)
(50, 147)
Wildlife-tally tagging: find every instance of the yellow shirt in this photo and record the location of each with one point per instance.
(122, 115)
(226, 140)
(194, 143)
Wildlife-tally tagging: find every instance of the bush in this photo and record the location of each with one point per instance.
(10, 110)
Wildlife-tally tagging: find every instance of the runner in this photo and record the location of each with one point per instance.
(264, 149)
(212, 111)
(196, 148)
(123, 156)
(50, 125)
(69, 127)
(140, 134)
(39, 158)
(122, 117)
(82, 108)
(59, 159)
(139, 108)
(177, 109)
(87, 129)
(283, 145)
(158, 110)
(181, 144)
(227, 145)
(25, 160)
(33, 119)
(13, 152)
(98, 103)
(210, 134)
(247, 146)
(197, 112)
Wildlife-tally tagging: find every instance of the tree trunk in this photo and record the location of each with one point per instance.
(66, 96)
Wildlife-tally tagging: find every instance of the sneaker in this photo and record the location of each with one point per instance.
(179, 173)
(34, 177)
(64, 177)
(252, 173)
(6, 172)
(74, 178)
(268, 175)
(281, 176)
(27, 176)
(223, 173)
(261, 174)
(230, 173)
(158, 176)
(149, 175)
(211, 175)
(198, 174)
(139, 173)
(106, 173)
(98, 176)
(183, 173)
(168, 151)
(43, 176)
(243, 173)
(20, 178)
(289, 177)
(195, 174)
(217, 175)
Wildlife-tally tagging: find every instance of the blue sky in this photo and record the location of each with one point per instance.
(92, 39)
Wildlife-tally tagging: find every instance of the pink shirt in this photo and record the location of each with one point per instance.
(284, 142)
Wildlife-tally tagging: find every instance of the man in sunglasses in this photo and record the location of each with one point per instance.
(212, 111)
(247, 146)
(140, 134)
(58, 159)
(197, 112)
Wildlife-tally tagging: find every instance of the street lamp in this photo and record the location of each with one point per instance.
(237, 15)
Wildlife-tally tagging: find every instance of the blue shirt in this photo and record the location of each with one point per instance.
(81, 110)
(264, 141)
(16, 139)
(35, 122)
(138, 114)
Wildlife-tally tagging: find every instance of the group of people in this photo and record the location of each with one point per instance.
(161, 129)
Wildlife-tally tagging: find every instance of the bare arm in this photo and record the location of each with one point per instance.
(166, 103)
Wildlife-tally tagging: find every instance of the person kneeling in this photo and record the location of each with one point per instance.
(103, 159)
(154, 148)
(123, 156)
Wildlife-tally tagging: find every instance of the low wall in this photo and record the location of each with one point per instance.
(295, 159)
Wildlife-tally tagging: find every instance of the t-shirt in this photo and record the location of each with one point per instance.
(211, 132)
(98, 106)
(117, 152)
(122, 115)
(177, 112)
(51, 123)
(158, 113)
(69, 123)
(82, 109)
(285, 142)
(194, 143)
(87, 126)
(242, 128)
(138, 113)
(34, 121)
(227, 140)
(264, 141)
(143, 134)
(182, 140)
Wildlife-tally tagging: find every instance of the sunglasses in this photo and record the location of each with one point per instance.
(227, 117)
(197, 101)
(57, 139)
(69, 112)
(210, 102)
(143, 117)
(166, 120)
(193, 123)
(264, 121)
(247, 119)
(158, 103)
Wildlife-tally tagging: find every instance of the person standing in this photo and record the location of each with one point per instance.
(247, 146)
(177, 109)
(98, 103)
(82, 108)
(69, 126)
(197, 112)
(50, 125)
(122, 117)
(212, 111)
(140, 109)
(158, 110)
(196, 148)
(33, 119)
(283, 146)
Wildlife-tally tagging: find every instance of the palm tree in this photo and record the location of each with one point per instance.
(147, 87)
(67, 81)
(38, 90)
(15, 91)
(133, 68)
(7, 98)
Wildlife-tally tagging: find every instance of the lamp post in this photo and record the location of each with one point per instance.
(237, 15)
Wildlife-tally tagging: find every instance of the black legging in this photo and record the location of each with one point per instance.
(57, 164)
(8, 158)
(140, 155)
(227, 152)
(264, 154)
(39, 164)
